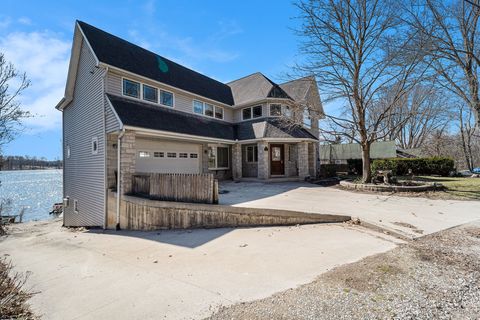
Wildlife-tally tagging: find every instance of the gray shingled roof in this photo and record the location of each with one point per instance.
(298, 89)
(270, 128)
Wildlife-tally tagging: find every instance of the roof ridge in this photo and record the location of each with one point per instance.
(258, 72)
(293, 80)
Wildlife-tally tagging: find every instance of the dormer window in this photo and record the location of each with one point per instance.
(150, 93)
(131, 88)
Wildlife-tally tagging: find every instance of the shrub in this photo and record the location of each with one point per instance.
(328, 170)
(400, 166)
(355, 166)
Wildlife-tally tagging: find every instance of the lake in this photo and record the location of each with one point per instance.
(36, 189)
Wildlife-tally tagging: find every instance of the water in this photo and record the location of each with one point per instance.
(36, 189)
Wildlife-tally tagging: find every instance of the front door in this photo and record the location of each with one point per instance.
(277, 163)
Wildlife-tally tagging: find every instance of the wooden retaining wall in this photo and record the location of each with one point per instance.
(145, 214)
(179, 187)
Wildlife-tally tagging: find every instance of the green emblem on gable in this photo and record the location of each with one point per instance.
(162, 65)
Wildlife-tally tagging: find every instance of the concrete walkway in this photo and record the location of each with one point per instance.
(404, 216)
(174, 274)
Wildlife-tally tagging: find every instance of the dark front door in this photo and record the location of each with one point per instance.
(277, 157)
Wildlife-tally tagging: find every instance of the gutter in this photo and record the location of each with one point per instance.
(119, 174)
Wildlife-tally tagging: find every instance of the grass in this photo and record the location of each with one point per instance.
(457, 187)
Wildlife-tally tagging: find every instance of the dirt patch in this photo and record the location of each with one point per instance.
(434, 277)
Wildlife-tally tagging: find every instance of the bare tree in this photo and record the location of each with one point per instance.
(424, 109)
(452, 29)
(12, 84)
(467, 130)
(357, 48)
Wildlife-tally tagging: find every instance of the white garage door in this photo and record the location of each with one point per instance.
(167, 157)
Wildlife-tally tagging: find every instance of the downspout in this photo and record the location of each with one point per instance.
(105, 143)
(119, 174)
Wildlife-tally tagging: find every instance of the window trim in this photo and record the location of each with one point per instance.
(216, 157)
(140, 93)
(252, 113)
(143, 92)
(94, 143)
(160, 98)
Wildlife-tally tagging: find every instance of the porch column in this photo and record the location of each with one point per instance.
(315, 158)
(237, 161)
(303, 170)
(262, 160)
(127, 161)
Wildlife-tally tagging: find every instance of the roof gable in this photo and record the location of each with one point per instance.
(122, 54)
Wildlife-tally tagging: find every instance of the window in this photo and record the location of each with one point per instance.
(275, 110)
(183, 155)
(252, 153)
(287, 112)
(208, 110)
(218, 158)
(144, 154)
(75, 206)
(247, 113)
(307, 121)
(257, 111)
(94, 145)
(198, 106)
(171, 155)
(150, 93)
(158, 154)
(218, 112)
(193, 155)
(131, 88)
(166, 98)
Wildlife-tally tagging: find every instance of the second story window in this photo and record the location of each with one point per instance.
(150, 93)
(207, 109)
(252, 112)
(166, 98)
(307, 120)
(275, 110)
(131, 88)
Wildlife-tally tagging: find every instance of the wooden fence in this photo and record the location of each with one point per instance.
(196, 188)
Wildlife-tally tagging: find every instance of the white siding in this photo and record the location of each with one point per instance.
(84, 172)
(182, 101)
(112, 123)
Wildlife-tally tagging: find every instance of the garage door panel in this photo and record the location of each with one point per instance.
(164, 157)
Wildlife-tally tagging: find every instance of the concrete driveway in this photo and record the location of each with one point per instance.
(174, 274)
(405, 216)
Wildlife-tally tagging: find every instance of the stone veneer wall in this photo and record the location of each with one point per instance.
(127, 161)
(303, 168)
(291, 157)
(263, 158)
(312, 163)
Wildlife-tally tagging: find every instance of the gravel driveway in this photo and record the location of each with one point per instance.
(434, 277)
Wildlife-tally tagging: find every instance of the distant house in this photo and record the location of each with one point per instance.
(129, 110)
(340, 153)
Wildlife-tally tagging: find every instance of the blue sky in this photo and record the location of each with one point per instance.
(222, 39)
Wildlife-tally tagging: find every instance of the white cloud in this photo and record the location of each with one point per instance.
(44, 56)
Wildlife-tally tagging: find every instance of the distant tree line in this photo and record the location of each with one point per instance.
(28, 163)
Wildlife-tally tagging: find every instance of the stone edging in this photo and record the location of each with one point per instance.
(426, 186)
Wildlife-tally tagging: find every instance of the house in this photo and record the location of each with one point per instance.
(128, 110)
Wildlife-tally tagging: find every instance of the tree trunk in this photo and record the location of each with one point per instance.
(367, 171)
